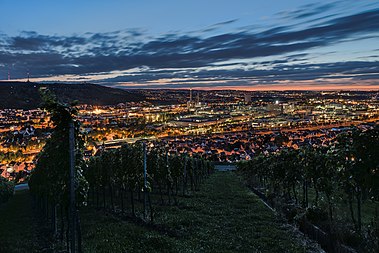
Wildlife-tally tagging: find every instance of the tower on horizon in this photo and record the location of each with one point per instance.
(190, 103)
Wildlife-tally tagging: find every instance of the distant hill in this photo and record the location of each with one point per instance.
(25, 95)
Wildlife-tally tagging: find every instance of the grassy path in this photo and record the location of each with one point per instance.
(223, 216)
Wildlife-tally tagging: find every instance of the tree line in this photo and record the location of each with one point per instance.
(6, 189)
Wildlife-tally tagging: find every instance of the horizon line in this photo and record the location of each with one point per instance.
(219, 88)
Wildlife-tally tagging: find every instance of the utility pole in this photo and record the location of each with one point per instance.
(169, 182)
(72, 187)
(185, 175)
(144, 181)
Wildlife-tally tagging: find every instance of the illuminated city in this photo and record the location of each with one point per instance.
(208, 114)
(189, 126)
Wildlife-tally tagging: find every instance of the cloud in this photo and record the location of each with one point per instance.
(352, 71)
(196, 57)
(309, 10)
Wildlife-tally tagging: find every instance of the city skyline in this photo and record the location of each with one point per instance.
(296, 45)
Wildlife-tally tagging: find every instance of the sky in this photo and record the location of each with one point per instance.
(212, 44)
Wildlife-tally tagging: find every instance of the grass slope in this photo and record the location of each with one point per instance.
(223, 216)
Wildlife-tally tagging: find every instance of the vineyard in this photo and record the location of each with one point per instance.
(116, 185)
(118, 173)
(223, 216)
(335, 187)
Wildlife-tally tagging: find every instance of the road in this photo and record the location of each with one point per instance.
(225, 167)
(21, 187)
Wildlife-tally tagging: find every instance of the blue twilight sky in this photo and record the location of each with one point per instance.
(205, 44)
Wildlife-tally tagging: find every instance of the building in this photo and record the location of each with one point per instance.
(247, 98)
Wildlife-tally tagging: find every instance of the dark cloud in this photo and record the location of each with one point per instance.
(226, 22)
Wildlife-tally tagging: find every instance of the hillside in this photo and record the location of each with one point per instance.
(223, 216)
(25, 95)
